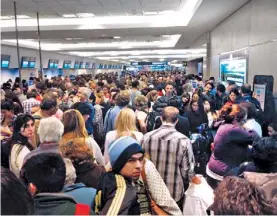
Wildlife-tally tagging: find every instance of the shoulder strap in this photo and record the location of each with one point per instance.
(82, 209)
(36, 117)
(144, 179)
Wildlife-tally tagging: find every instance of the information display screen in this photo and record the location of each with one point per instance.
(28, 62)
(234, 66)
(5, 61)
(53, 63)
(88, 65)
(67, 64)
(76, 65)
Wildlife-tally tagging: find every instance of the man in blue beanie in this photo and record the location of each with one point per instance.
(116, 193)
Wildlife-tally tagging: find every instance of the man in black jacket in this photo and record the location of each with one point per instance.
(116, 193)
(219, 96)
(45, 175)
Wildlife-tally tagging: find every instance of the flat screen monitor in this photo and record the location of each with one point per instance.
(88, 65)
(5, 61)
(67, 64)
(81, 66)
(5, 64)
(32, 64)
(25, 64)
(76, 65)
(234, 66)
(53, 63)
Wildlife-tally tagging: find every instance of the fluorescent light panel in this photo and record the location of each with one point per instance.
(169, 42)
(161, 57)
(85, 15)
(164, 19)
(21, 17)
(6, 17)
(140, 52)
(69, 16)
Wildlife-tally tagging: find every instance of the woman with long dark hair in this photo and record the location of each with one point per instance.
(196, 115)
(19, 145)
(232, 97)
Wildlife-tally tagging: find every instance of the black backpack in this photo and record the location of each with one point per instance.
(153, 121)
(5, 153)
(201, 147)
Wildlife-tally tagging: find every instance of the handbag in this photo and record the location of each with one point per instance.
(156, 210)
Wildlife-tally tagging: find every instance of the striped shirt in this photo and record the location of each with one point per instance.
(172, 154)
(28, 104)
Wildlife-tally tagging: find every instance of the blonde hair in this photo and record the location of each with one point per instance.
(74, 123)
(100, 97)
(125, 121)
(150, 95)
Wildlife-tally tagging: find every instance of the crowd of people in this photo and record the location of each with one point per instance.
(162, 143)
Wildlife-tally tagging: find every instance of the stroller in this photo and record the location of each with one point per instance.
(201, 145)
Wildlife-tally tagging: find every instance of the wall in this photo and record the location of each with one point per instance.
(26, 73)
(253, 26)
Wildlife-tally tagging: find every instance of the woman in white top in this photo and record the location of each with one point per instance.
(74, 128)
(251, 123)
(142, 109)
(125, 124)
(23, 130)
(152, 96)
(210, 114)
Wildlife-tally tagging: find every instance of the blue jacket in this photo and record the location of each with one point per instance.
(249, 98)
(89, 122)
(110, 118)
(81, 193)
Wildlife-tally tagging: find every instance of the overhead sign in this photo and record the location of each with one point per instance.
(149, 63)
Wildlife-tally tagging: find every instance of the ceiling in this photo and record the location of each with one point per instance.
(117, 25)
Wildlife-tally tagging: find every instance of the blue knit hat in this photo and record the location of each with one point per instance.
(121, 150)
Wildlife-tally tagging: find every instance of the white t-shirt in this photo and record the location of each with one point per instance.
(17, 157)
(96, 151)
(111, 136)
(251, 124)
(141, 115)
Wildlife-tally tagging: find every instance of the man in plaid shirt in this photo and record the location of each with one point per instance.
(172, 154)
(30, 102)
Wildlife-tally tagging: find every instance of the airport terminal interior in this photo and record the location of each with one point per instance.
(138, 107)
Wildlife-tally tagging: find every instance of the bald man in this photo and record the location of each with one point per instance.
(172, 154)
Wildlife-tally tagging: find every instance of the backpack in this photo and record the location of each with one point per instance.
(5, 153)
(201, 152)
(153, 121)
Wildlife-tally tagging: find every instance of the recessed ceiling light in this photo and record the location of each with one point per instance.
(165, 12)
(161, 59)
(6, 17)
(151, 13)
(145, 60)
(69, 15)
(116, 37)
(68, 38)
(85, 15)
(21, 17)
